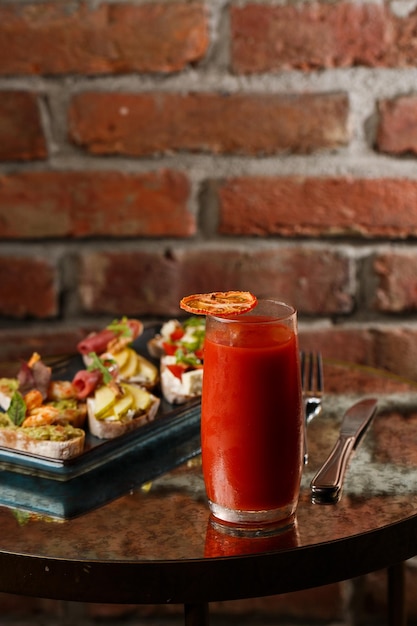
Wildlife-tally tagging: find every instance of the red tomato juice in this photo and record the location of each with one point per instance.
(251, 415)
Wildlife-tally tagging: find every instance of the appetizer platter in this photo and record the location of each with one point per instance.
(128, 393)
(125, 409)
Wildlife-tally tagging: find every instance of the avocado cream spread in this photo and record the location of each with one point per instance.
(49, 432)
(5, 421)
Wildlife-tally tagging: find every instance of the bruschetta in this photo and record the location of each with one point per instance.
(40, 415)
(114, 344)
(121, 332)
(180, 348)
(54, 442)
(118, 407)
(29, 425)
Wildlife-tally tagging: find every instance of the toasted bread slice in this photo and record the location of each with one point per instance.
(178, 390)
(53, 442)
(114, 419)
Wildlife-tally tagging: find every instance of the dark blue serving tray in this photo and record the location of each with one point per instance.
(151, 457)
(65, 488)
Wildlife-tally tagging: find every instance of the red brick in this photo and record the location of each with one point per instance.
(298, 206)
(397, 128)
(307, 37)
(382, 350)
(355, 343)
(316, 281)
(396, 276)
(20, 343)
(28, 287)
(318, 35)
(85, 204)
(155, 123)
(21, 134)
(396, 349)
(129, 283)
(112, 38)
(385, 347)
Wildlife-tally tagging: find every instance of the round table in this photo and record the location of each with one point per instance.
(155, 544)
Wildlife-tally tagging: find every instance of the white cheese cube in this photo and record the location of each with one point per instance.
(192, 382)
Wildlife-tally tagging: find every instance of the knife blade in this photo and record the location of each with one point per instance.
(327, 483)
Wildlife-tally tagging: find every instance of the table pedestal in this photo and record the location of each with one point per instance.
(196, 614)
(396, 595)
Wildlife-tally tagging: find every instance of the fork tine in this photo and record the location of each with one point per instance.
(57, 360)
(304, 389)
(303, 375)
(59, 364)
(311, 372)
(312, 386)
(319, 372)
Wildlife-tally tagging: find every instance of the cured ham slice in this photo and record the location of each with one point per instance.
(86, 381)
(98, 342)
(136, 327)
(35, 376)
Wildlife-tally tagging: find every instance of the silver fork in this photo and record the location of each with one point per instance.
(312, 384)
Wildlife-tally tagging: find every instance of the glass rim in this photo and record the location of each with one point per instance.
(290, 311)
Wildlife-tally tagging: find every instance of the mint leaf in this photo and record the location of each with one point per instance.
(17, 409)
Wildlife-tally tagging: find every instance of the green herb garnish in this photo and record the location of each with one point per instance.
(196, 343)
(17, 409)
(97, 364)
(187, 359)
(121, 327)
(194, 321)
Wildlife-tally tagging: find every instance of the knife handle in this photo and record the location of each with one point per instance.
(329, 479)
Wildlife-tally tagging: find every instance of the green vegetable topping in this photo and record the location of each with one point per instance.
(187, 359)
(192, 346)
(120, 327)
(194, 321)
(48, 432)
(17, 409)
(97, 364)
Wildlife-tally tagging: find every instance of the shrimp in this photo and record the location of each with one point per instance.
(33, 399)
(41, 416)
(61, 390)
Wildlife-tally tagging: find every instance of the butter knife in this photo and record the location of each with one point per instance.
(327, 483)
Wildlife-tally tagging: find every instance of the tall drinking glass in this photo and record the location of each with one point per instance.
(251, 420)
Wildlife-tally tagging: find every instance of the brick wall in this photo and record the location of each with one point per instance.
(154, 149)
